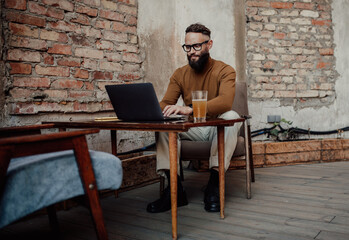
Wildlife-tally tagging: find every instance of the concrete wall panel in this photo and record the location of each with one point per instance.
(161, 31)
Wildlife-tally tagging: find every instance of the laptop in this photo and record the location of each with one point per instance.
(137, 102)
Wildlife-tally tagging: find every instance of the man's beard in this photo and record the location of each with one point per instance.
(199, 65)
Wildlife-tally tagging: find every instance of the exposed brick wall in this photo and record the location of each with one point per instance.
(290, 52)
(2, 72)
(60, 54)
(267, 154)
(299, 152)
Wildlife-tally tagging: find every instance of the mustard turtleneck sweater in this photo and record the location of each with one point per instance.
(217, 78)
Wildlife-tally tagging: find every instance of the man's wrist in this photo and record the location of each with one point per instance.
(191, 109)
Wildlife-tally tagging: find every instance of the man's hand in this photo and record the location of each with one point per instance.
(174, 109)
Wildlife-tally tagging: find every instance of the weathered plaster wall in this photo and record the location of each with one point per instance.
(340, 15)
(161, 31)
(156, 33)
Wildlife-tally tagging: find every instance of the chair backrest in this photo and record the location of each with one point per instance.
(240, 104)
(240, 101)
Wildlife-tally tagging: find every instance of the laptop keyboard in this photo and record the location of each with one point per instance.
(174, 117)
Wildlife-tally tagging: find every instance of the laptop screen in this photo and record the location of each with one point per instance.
(135, 102)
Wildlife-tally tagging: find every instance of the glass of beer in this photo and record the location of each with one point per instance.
(199, 102)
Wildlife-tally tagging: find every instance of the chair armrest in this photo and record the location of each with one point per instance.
(246, 116)
(247, 119)
(23, 130)
(45, 137)
(37, 144)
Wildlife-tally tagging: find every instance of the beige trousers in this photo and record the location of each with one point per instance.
(200, 134)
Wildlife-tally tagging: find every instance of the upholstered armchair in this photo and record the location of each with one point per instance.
(39, 170)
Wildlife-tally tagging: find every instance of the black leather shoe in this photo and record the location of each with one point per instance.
(164, 203)
(211, 198)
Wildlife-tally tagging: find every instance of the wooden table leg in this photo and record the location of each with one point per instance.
(114, 151)
(220, 143)
(172, 138)
(113, 139)
(248, 166)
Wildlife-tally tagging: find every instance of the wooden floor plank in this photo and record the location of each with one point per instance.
(200, 214)
(338, 206)
(195, 218)
(142, 225)
(327, 235)
(341, 220)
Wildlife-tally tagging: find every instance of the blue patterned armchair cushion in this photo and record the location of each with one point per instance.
(38, 181)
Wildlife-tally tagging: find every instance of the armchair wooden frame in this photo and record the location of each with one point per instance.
(19, 146)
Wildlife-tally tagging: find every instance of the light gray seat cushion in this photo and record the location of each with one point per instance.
(38, 181)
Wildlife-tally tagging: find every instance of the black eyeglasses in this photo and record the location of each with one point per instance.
(196, 46)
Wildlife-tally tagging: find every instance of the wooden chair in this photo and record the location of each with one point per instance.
(200, 150)
(34, 164)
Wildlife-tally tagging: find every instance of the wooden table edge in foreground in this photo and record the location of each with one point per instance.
(172, 128)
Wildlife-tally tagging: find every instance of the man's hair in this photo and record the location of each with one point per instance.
(198, 28)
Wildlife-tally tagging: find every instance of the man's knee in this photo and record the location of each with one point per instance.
(229, 115)
(161, 136)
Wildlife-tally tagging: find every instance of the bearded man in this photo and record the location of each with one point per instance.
(201, 73)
